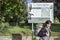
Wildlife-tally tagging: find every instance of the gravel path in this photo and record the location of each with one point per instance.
(26, 38)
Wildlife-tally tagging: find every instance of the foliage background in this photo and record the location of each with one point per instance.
(13, 18)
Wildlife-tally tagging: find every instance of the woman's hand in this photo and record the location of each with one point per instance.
(47, 34)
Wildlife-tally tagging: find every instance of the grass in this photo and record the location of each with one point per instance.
(55, 27)
(55, 33)
(18, 30)
(26, 30)
(8, 30)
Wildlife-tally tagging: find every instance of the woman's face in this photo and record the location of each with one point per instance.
(49, 25)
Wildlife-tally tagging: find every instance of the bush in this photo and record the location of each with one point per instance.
(4, 27)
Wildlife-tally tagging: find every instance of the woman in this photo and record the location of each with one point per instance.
(47, 33)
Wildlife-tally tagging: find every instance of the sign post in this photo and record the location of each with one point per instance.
(32, 32)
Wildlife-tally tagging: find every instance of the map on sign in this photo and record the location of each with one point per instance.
(45, 12)
(41, 12)
(36, 13)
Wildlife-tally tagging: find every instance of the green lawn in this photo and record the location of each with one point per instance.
(18, 30)
(9, 30)
(6, 30)
(55, 33)
(55, 29)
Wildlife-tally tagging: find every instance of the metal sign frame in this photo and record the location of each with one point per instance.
(38, 17)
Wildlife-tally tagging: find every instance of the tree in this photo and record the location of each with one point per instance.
(14, 10)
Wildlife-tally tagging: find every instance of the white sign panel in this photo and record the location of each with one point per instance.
(41, 12)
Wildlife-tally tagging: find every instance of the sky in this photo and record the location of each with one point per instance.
(28, 1)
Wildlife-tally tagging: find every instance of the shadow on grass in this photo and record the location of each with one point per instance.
(16, 37)
(55, 28)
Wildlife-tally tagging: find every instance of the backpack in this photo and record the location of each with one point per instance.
(42, 32)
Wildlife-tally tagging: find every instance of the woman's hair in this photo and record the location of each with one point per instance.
(47, 22)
